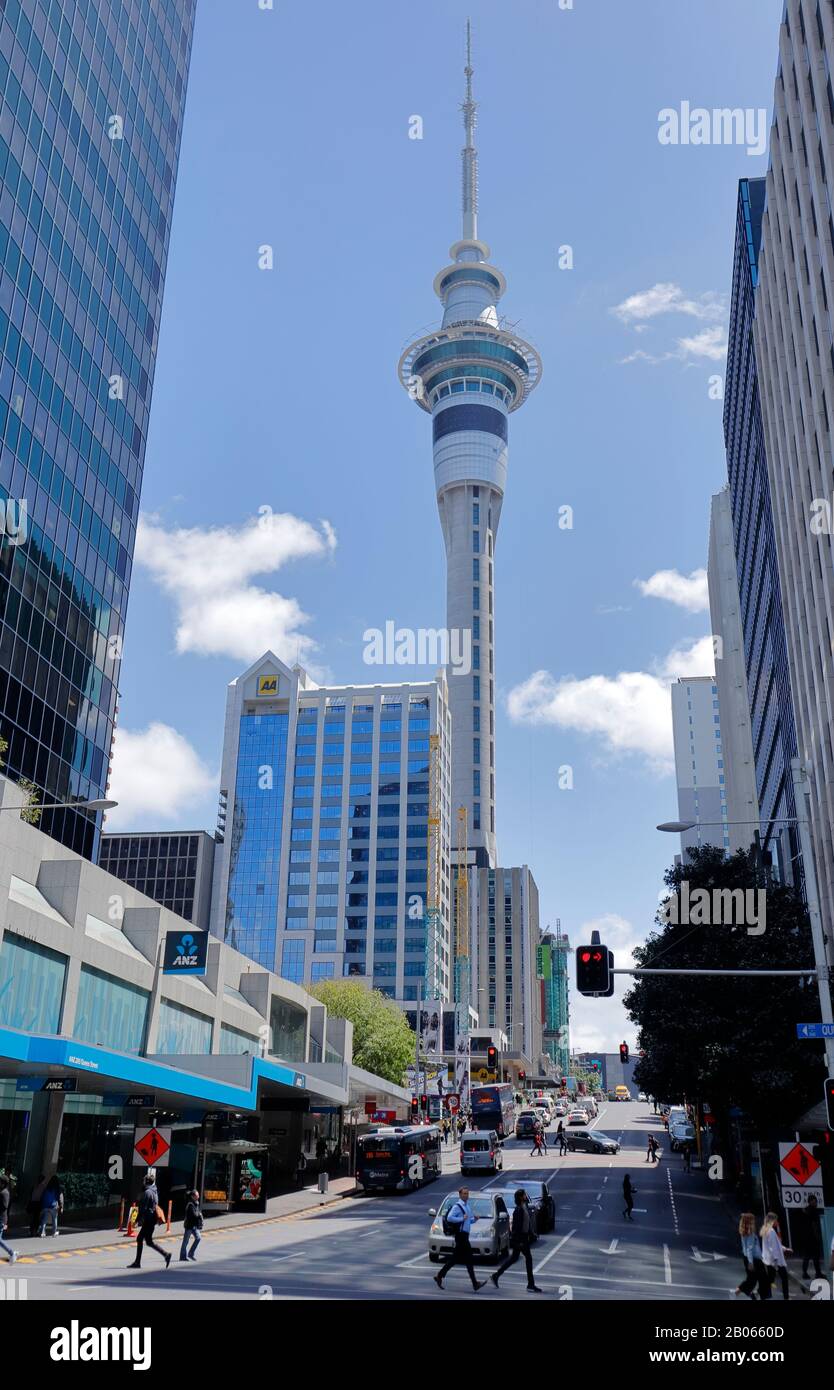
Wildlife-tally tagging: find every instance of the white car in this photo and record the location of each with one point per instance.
(543, 1112)
(641, 1095)
(577, 1117)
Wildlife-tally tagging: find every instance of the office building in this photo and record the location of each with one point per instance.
(322, 870)
(104, 1034)
(505, 936)
(92, 114)
(794, 341)
(174, 868)
(474, 353)
(555, 952)
(731, 675)
(699, 762)
(772, 728)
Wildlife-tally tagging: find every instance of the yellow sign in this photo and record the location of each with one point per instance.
(267, 685)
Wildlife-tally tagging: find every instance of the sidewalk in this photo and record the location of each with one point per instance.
(290, 1204)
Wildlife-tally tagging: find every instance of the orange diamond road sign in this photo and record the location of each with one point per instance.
(798, 1162)
(153, 1146)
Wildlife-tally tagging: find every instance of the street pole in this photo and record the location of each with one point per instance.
(417, 1051)
(822, 960)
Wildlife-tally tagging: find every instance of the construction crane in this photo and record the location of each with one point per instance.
(432, 983)
(462, 965)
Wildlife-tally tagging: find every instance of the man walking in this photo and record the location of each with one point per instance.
(5, 1202)
(687, 1158)
(459, 1221)
(561, 1139)
(148, 1204)
(520, 1233)
(628, 1195)
(192, 1227)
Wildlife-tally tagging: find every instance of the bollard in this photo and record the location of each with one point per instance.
(324, 1181)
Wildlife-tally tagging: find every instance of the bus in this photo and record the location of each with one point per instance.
(398, 1159)
(493, 1107)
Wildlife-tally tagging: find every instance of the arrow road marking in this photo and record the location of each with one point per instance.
(612, 1249)
(704, 1259)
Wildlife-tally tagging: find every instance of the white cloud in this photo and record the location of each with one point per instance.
(155, 776)
(668, 299)
(710, 343)
(686, 591)
(600, 1025)
(630, 713)
(207, 572)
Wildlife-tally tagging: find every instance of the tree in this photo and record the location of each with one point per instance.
(31, 812)
(727, 1040)
(382, 1040)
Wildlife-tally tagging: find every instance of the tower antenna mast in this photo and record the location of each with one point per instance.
(469, 154)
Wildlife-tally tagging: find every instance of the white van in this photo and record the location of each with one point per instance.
(480, 1149)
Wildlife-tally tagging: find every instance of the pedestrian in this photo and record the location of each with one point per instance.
(756, 1276)
(810, 1238)
(537, 1142)
(150, 1213)
(650, 1149)
(192, 1227)
(321, 1151)
(562, 1140)
(774, 1252)
(520, 1234)
(52, 1205)
(300, 1168)
(687, 1158)
(628, 1195)
(5, 1203)
(458, 1221)
(33, 1206)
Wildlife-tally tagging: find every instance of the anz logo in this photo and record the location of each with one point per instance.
(186, 957)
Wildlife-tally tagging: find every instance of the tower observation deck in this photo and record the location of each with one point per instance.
(470, 376)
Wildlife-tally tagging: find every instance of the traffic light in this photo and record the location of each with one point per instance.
(623, 1052)
(492, 1058)
(415, 1107)
(829, 1100)
(522, 1076)
(593, 970)
(424, 1103)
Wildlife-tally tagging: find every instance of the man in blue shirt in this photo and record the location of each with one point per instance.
(459, 1219)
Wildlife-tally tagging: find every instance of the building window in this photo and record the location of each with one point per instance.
(322, 970)
(109, 1012)
(292, 961)
(182, 1031)
(31, 985)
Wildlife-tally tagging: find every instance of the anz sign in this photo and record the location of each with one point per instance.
(185, 953)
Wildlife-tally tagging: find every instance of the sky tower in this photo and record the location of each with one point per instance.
(469, 376)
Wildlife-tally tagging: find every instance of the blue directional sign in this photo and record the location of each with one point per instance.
(815, 1030)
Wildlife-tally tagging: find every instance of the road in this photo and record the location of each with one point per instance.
(679, 1245)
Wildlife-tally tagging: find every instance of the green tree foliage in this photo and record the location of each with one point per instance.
(732, 1040)
(31, 812)
(382, 1040)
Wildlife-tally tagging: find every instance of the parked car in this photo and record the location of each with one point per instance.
(480, 1150)
(490, 1233)
(590, 1141)
(577, 1117)
(525, 1124)
(681, 1133)
(540, 1201)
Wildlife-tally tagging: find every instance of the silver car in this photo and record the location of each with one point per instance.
(490, 1232)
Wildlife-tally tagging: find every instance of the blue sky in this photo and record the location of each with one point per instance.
(279, 389)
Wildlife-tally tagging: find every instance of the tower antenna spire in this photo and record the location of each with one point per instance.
(469, 154)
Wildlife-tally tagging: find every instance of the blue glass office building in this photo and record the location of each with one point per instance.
(90, 125)
(766, 658)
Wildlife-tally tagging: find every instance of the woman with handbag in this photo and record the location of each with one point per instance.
(150, 1215)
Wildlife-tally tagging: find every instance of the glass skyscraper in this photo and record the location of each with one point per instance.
(765, 647)
(90, 126)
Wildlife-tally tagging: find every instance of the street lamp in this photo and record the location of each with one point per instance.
(822, 963)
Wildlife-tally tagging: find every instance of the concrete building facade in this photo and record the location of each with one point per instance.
(699, 762)
(794, 340)
(175, 868)
(505, 935)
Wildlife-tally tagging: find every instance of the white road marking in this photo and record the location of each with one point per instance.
(417, 1260)
(599, 1194)
(554, 1251)
(612, 1249)
(672, 1200)
(589, 1213)
(667, 1264)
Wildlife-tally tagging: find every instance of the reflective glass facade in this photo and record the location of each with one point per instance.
(31, 985)
(252, 901)
(765, 651)
(182, 1030)
(90, 126)
(109, 1012)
